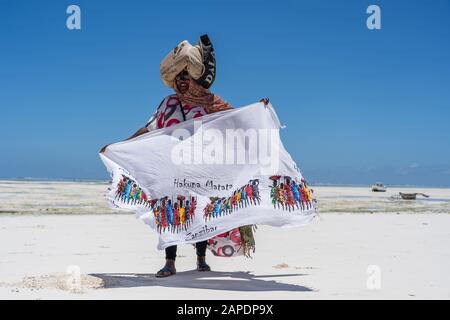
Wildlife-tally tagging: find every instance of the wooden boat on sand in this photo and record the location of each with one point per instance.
(412, 196)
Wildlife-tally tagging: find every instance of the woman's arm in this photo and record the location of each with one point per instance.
(140, 131)
(220, 105)
(265, 100)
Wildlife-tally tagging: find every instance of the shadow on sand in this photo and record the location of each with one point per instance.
(234, 281)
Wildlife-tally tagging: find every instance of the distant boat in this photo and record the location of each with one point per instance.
(411, 196)
(378, 187)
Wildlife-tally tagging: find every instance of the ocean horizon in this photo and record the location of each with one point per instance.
(311, 182)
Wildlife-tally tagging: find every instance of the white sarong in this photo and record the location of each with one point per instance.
(200, 178)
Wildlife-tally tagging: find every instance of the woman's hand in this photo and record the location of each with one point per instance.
(104, 148)
(265, 101)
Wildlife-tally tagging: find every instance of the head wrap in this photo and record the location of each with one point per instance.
(209, 62)
(198, 60)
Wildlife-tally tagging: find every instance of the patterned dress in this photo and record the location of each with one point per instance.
(172, 111)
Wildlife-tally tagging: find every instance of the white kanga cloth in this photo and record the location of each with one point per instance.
(191, 182)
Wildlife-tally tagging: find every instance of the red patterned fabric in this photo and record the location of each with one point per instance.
(171, 111)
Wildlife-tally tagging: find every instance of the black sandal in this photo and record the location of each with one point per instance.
(165, 272)
(203, 266)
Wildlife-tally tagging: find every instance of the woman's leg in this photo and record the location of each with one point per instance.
(169, 268)
(201, 248)
(171, 252)
(201, 256)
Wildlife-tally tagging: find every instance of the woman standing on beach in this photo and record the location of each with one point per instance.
(189, 71)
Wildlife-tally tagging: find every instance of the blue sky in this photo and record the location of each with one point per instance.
(359, 105)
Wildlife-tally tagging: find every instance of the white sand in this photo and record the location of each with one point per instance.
(117, 258)
(116, 254)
